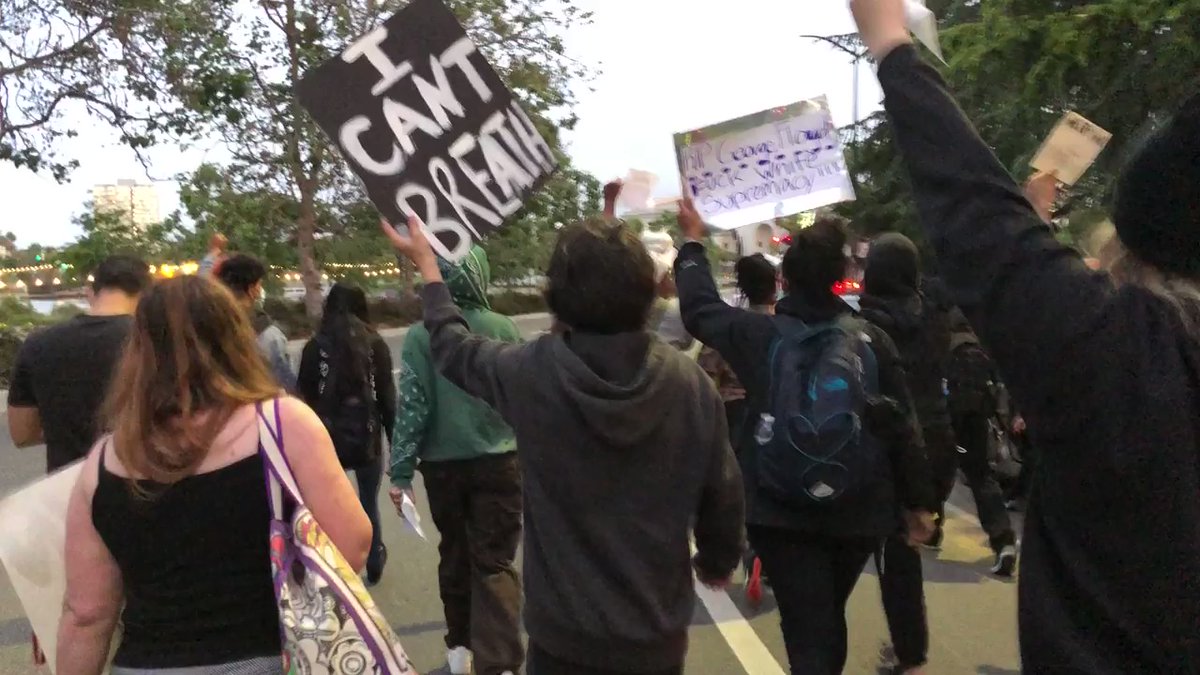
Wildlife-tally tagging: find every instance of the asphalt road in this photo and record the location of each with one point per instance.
(972, 616)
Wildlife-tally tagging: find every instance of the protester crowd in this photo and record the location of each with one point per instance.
(660, 434)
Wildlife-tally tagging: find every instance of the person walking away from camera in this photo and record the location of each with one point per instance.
(624, 455)
(244, 275)
(169, 521)
(813, 523)
(665, 319)
(467, 456)
(1105, 368)
(758, 284)
(346, 377)
(61, 372)
(920, 329)
(973, 386)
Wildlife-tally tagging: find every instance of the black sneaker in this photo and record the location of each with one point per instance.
(1006, 562)
(375, 568)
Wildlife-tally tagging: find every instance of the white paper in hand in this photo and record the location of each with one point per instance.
(636, 190)
(923, 25)
(409, 511)
(1072, 146)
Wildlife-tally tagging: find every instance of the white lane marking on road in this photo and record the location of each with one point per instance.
(743, 641)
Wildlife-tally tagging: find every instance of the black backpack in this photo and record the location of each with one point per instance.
(813, 448)
(971, 380)
(350, 413)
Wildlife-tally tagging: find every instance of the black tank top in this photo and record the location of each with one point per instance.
(194, 559)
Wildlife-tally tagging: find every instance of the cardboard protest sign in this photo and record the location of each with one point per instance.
(1072, 146)
(429, 127)
(770, 164)
(33, 535)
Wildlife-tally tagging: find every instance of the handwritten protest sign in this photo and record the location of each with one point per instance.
(429, 127)
(773, 163)
(1072, 146)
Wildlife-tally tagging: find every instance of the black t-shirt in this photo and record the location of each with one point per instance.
(64, 371)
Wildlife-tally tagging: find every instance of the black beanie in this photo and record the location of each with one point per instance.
(1157, 211)
(893, 267)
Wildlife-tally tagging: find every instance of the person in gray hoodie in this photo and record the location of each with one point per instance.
(243, 276)
(623, 454)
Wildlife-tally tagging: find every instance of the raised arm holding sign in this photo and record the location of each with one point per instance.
(429, 127)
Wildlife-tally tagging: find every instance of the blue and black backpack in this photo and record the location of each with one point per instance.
(813, 448)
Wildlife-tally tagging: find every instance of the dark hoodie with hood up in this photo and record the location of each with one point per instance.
(624, 452)
(918, 324)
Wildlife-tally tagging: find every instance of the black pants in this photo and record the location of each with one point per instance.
(812, 576)
(476, 506)
(972, 432)
(942, 451)
(368, 477)
(542, 662)
(902, 585)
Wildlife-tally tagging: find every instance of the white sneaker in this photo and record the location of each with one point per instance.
(459, 660)
(1006, 562)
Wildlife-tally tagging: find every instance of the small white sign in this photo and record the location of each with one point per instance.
(923, 25)
(33, 535)
(769, 164)
(408, 510)
(1072, 146)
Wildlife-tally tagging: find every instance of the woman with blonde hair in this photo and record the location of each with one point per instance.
(168, 524)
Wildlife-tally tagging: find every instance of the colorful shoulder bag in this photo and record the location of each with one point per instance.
(329, 623)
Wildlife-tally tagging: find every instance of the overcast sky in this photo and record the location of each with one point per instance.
(665, 66)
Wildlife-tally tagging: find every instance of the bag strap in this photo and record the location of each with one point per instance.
(281, 482)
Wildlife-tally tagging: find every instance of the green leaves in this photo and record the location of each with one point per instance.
(1016, 66)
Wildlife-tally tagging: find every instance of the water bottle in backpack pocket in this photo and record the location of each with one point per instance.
(813, 448)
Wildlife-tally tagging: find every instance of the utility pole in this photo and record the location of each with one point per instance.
(852, 46)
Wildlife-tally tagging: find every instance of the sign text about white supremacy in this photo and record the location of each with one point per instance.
(429, 127)
(778, 162)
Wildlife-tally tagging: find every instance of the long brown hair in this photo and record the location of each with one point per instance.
(192, 352)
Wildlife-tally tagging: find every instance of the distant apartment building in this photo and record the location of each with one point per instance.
(137, 201)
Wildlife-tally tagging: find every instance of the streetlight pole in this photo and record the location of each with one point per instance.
(852, 46)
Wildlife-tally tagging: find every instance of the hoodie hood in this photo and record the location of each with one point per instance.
(900, 317)
(893, 267)
(468, 279)
(614, 383)
(961, 332)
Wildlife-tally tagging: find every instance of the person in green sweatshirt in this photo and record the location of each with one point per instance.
(467, 456)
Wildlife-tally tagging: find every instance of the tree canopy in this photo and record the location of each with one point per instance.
(1016, 66)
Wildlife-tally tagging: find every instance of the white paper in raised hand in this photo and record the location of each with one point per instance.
(409, 510)
(923, 25)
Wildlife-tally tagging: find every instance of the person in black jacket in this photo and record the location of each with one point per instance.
(812, 555)
(346, 377)
(624, 454)
(1106, 369)
(975, 407)
(920, 328)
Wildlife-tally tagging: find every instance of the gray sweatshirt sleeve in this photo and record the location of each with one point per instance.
(482, 367)
(272, 343)
(721, 519)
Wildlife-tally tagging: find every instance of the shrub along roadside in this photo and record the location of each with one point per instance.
(17, 319)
